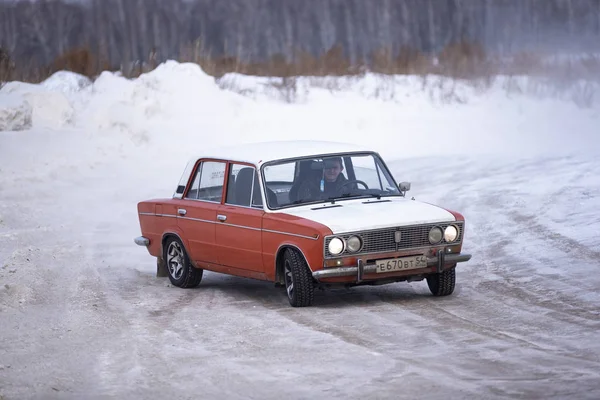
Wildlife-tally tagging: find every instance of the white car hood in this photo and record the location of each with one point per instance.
(363, 214)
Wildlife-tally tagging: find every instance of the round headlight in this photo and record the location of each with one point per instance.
(451, 233)
(353, 244)
(336, 246)
(435, 235)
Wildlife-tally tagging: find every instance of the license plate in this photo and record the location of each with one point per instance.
(401, 264)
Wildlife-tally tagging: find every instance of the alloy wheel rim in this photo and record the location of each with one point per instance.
(289, 280)
(175, 260)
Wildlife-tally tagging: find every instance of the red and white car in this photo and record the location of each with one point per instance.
(300, 214)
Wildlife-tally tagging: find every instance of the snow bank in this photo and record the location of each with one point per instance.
(178, 105)
(15, 113)
(47, 104)
(404, 116)
(66, 82)
(172, 99)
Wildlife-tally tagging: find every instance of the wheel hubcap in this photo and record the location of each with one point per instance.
(175, 260)
(289, 281)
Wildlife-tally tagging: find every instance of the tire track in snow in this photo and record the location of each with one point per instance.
(495, 235)
(558, 241)
(448, 317)
(371, 336)
(545, 292)
(413, 315)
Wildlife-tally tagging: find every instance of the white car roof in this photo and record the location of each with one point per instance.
(262, 152)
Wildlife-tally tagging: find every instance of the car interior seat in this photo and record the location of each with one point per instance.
(243, 186)
(305, 173)
(230, 195)
(271, 197)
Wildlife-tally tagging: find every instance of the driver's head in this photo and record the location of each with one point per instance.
(332, 168)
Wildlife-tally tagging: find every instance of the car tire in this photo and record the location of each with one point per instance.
(442, 284)
(179, 267)
(298, 279)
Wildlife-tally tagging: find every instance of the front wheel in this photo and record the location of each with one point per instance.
(181, 271)
(298, 279)
(442, 284)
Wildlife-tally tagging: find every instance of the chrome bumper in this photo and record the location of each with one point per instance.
(142, 241)
(360, 269)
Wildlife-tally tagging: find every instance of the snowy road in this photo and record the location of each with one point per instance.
(82, 315)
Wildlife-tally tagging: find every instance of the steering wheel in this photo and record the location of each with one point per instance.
(354, 181)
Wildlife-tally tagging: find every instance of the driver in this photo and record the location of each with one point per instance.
(331, 182)
(333, 177)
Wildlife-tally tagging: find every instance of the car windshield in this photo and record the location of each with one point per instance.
(326, 179)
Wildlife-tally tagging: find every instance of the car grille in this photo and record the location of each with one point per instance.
(382, 240)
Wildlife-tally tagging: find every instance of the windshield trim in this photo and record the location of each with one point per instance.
(374, 154)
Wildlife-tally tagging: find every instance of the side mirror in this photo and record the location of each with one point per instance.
(179, 192)
(404, 187)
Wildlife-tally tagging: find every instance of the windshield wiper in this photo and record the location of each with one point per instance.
(343, 196)
(358, 196)
(333, 199)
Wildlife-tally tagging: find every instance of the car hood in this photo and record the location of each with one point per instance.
(364, 214)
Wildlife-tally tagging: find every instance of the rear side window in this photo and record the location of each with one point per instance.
(243, 188)
(208, 182)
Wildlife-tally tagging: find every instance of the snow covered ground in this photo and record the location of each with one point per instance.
(83, 316)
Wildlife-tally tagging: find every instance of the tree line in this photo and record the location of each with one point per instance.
(35, 33)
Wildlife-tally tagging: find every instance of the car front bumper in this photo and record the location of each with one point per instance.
(360, 269)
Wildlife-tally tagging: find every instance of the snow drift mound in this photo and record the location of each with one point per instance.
(66, 82)
(15, 113)
(172, 97)
(179, 106)
(46, 105)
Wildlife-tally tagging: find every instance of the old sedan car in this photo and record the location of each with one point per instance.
(300, 214)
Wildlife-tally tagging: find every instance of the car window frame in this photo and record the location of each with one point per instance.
(256, 179)
(192, 178)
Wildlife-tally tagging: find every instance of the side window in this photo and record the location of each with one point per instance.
(193, 192)
(208, 182)
(189, 168)
(279, 180)
(243, 188)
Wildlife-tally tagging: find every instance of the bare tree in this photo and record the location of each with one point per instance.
(36, 32)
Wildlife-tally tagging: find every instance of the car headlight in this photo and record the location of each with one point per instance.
(336, 246)
(435, 235)
(451, 233)
(353, 244)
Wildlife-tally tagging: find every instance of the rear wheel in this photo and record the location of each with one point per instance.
(181, 271)
(298, 279)
(442, 284)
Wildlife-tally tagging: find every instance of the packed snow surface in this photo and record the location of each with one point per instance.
(83, 315)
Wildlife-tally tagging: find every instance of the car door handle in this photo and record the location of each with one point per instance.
(221, 217)
(181, 211)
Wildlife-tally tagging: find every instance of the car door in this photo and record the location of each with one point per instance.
(239, 220)
(197, 213)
